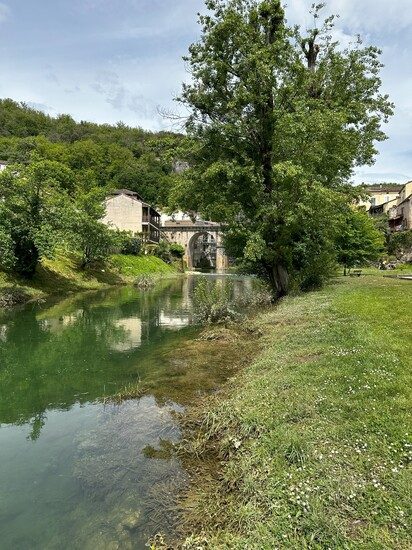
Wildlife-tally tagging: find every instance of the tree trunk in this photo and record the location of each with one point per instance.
(279, 279)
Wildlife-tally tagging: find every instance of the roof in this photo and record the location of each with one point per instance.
(384, 188)
(127, 192)
(406, 199)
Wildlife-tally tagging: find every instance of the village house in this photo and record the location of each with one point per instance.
(381, 197)
(127, 211)
(400, 214)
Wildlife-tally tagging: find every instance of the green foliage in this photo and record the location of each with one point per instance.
(176, 250)
(131, 246)
(162, 250)
(38, 213)
(108, 156)
(358, 241)
(33, 212)
(400, 243)
(279, 121)
(213, 302)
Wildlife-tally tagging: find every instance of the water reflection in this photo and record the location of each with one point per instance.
(74, 471)
(85, 348)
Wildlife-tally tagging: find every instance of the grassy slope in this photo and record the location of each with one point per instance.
(132, 266)
(315, 437)
(63, 275)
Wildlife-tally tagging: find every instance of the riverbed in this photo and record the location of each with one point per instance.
(89, 391)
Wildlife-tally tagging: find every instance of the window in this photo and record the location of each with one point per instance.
(373, 201)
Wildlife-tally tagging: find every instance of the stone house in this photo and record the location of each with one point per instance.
(127, 211)
(400, 215)
(381, 197)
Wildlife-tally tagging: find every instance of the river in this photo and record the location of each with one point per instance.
(79, 467)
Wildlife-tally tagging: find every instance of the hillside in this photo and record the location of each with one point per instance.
(111, 156)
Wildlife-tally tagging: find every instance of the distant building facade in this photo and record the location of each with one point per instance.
(400, 214)
(127, 211)
(393, 200)
(379, 195)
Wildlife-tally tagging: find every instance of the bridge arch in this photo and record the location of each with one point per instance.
(206, 235)
(202, 250)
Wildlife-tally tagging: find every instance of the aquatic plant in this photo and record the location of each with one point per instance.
(213, 302)
(216, 302)
(145, 281)
(10, 297)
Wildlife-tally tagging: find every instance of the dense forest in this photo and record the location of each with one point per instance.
(59, 172)
(97, 154)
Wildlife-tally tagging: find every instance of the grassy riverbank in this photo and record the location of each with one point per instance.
(63, 275)
(310, 446)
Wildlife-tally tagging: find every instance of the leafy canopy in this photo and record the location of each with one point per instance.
(279, 119)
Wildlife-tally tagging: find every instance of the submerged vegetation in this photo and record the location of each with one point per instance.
(310, 446)
(217, 301)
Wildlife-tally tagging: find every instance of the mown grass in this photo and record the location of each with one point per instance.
(133, 266)
(311, 446)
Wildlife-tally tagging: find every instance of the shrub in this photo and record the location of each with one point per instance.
(215, 301)
(132, 246)
(162, 251)
(176, 250)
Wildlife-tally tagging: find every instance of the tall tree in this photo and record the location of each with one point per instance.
(280, 120)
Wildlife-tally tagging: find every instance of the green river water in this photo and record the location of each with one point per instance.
(77, 469)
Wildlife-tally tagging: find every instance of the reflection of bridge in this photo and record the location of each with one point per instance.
(201, 240)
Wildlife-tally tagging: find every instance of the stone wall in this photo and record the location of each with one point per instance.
(124, 213)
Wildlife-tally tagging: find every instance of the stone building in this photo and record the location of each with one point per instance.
(127, 211)
(381, 197)
(400, 215)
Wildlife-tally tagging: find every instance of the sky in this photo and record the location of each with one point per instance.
(112, 60)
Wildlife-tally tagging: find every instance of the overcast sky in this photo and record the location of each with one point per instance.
(111, 60)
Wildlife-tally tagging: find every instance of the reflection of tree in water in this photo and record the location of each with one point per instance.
(37, 424)
(53, 359)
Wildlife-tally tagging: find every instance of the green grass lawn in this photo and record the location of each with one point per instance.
(133, 266)
(311, 446)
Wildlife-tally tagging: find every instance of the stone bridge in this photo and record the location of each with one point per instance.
(202, 241)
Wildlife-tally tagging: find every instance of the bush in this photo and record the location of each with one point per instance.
(162, 251)
(400, 243)
(176, 250)
(215, 301)
(132, 246)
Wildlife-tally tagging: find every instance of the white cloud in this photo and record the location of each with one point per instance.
(4, 12)
(360, 15)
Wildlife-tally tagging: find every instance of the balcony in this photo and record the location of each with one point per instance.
(152, 220)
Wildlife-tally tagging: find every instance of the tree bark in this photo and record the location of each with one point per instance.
(279, 279)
